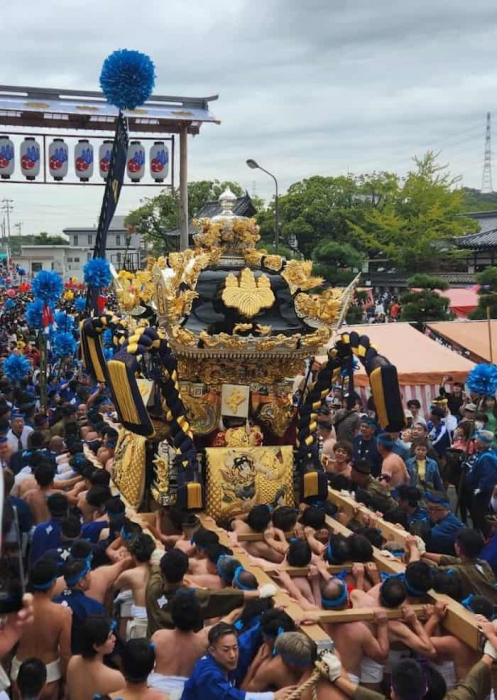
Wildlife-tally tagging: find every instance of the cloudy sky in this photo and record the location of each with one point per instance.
(305, 86)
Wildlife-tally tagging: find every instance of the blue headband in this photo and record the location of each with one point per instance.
(385, 440)
(127, 536)
(236, 579)
(219, 570)
(77, 577)
(330, 603)
(329, 552)
(44, 586)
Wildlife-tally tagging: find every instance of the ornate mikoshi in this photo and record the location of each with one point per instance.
(217, 334)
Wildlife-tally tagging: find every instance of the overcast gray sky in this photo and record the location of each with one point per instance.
(305, 86)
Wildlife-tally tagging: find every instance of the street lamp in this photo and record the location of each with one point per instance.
(255, 166)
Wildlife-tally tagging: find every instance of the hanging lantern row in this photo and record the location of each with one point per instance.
(58, 159)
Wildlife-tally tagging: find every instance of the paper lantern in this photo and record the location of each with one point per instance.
(136, 161)
(83, 159)
(159, 161)
(58, 157)
(30, 158)
(104, 153)
(7, 157)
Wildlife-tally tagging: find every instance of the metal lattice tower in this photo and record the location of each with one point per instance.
(486, 183)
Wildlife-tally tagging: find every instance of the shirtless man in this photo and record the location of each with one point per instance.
(87, 674)
(102, 577)
(353, 640)
(393, 467)
(454, 659)
(272, 547)
(292, 664)
(48, 635)
(37, 498)
(138, 662)
(141, 549)
(189, 526)
(202, 539)
(173, 669)
(405, 634)
(273, 623)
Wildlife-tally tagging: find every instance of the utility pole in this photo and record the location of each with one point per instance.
(7, 207)
(486, 183)
(18, 226)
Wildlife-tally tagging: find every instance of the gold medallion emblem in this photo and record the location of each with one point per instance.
(247, 294)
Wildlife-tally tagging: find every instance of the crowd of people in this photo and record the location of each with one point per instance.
(124, 606)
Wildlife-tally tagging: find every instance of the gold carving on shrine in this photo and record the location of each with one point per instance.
(247, 294)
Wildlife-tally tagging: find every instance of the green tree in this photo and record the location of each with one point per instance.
(415, 226)
(45, 238)
(474, 200)
(337, 262)
(422, 302)
(313, 210)
(487, 294)
(160, 214)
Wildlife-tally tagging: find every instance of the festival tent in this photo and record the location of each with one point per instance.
(461, 301)
(470, 336)
(421, 362)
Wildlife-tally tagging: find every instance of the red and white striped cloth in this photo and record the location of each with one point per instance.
(424, 393)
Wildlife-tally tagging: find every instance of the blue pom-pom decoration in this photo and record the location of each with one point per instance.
(80, 304)
(64, 321)
(47, 286)
(21, 271)
(97, 273)
(34, 313)
(16, 367)
(108, 354)
(63, 344)
(127, 78)
(9, 304)
(483, 380)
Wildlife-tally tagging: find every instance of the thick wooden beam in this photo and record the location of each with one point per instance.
(314, 632)
(346, 504)
(365, 614)
(256, 536)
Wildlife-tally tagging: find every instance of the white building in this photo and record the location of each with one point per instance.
(121, 242)
(67, 260)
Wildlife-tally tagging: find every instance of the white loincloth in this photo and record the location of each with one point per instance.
(371, 671)
(54, 672)
(125, 598)
(448, 671)
(4, 679)
(136, 628)
(172, 685)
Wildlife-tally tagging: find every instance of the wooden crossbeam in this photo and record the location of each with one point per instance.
(365, 614)
(256, 536)
(458, 621)
(314, 631)
(350, 507)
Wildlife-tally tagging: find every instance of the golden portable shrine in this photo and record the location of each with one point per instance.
(206, 349)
